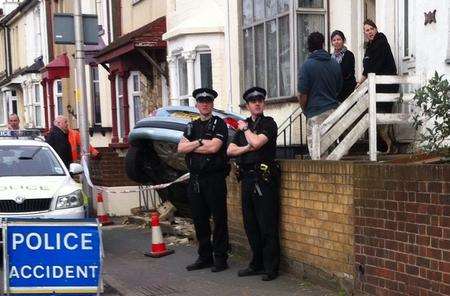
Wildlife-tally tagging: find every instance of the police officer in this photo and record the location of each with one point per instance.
(254, 146)
(204, 142)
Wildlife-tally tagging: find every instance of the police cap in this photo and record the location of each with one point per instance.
(204, 94)
(254, 93)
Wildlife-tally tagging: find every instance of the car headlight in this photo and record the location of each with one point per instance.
(72, 200)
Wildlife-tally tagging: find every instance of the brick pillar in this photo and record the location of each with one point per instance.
(115, 137)
(45, 102)
(126, 106)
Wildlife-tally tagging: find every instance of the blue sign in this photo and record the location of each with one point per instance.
(52, 256)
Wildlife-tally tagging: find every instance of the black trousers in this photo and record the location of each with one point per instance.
(206, 200)
(261, 221)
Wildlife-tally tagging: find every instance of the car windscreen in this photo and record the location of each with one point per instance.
(28, 161)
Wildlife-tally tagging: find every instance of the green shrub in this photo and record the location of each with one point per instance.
(432, 117)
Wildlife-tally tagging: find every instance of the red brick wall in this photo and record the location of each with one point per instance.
(402, 229)
(109, 170)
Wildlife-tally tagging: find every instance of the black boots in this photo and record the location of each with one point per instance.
(216, 265)
(200, 264)
(249, 272)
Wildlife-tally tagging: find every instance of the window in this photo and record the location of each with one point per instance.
(406, 9)
(95, 104)
(268, 42)
(182, 80)
(120, 115)
(136, 95)
(203, 69)
(37, 106)
(58, 90)
(13, 108)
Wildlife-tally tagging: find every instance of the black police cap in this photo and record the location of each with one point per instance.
(204, 94)
(254, 92)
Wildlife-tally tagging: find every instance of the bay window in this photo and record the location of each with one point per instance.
(272, 29)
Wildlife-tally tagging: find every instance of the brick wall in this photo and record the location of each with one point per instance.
(402, 229)
(316, 226)
(109, 170)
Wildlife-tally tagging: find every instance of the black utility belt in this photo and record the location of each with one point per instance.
(256, 167)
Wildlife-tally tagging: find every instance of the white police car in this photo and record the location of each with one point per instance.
(34, 182)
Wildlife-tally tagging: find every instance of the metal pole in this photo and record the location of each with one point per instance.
(80, 94)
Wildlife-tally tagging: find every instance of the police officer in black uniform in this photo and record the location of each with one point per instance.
(204, 142)
(255, 146)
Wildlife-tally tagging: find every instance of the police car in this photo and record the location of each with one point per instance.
(34, 182)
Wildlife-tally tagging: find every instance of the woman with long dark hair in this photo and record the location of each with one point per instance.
(378, 59)
(346, 60)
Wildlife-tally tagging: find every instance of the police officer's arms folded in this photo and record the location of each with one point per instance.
(235, 150)
(255, 140)
(199, 146)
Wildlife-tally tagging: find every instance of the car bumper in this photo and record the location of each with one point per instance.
(73, 213)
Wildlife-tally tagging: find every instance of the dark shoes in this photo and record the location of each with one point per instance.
(219, 267)
(199, 264)
(249, 272)
(269, 276)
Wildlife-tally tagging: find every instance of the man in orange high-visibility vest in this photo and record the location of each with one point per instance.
(75, 144)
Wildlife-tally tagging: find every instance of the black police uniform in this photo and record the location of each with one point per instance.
(260, 196)
(207, 190)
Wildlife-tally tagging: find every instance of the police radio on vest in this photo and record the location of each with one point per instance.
(53, 241)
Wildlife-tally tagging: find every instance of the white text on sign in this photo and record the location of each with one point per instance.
(69, 241)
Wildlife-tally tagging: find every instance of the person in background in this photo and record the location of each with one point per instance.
(59, 140)
(13, 122)
(319, 84)
(346, 60)
(378, 59)
(75, 145)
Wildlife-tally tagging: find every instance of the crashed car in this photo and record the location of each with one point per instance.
(152, 157)
(34, 182)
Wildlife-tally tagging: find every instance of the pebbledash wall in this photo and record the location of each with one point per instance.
(379, 228)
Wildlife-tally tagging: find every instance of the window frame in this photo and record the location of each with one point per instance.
(132, 92)
(198, 69)
(95, 120)
(119, 107)
(57, 95)
(292, 13)
(183, 99)
(37, 103)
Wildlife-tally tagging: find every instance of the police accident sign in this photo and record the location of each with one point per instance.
(52, 256)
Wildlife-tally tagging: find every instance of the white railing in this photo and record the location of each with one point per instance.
(351, 112)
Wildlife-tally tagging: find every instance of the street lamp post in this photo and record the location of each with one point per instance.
(80, 95)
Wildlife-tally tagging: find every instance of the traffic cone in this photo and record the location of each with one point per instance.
(102, 216)
(158, 248)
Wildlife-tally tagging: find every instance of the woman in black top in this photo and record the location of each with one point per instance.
(347, 61)
(379, 59)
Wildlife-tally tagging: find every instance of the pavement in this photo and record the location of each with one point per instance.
(128, 272)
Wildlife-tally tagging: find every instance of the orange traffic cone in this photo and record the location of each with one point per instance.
(102, 216)
(158, 248)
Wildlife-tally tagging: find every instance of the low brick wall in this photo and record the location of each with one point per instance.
(402, 229)
(109, 170)
(316, 226)
(380, 228)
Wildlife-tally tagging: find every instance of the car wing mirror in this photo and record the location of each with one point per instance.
(75, 168)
